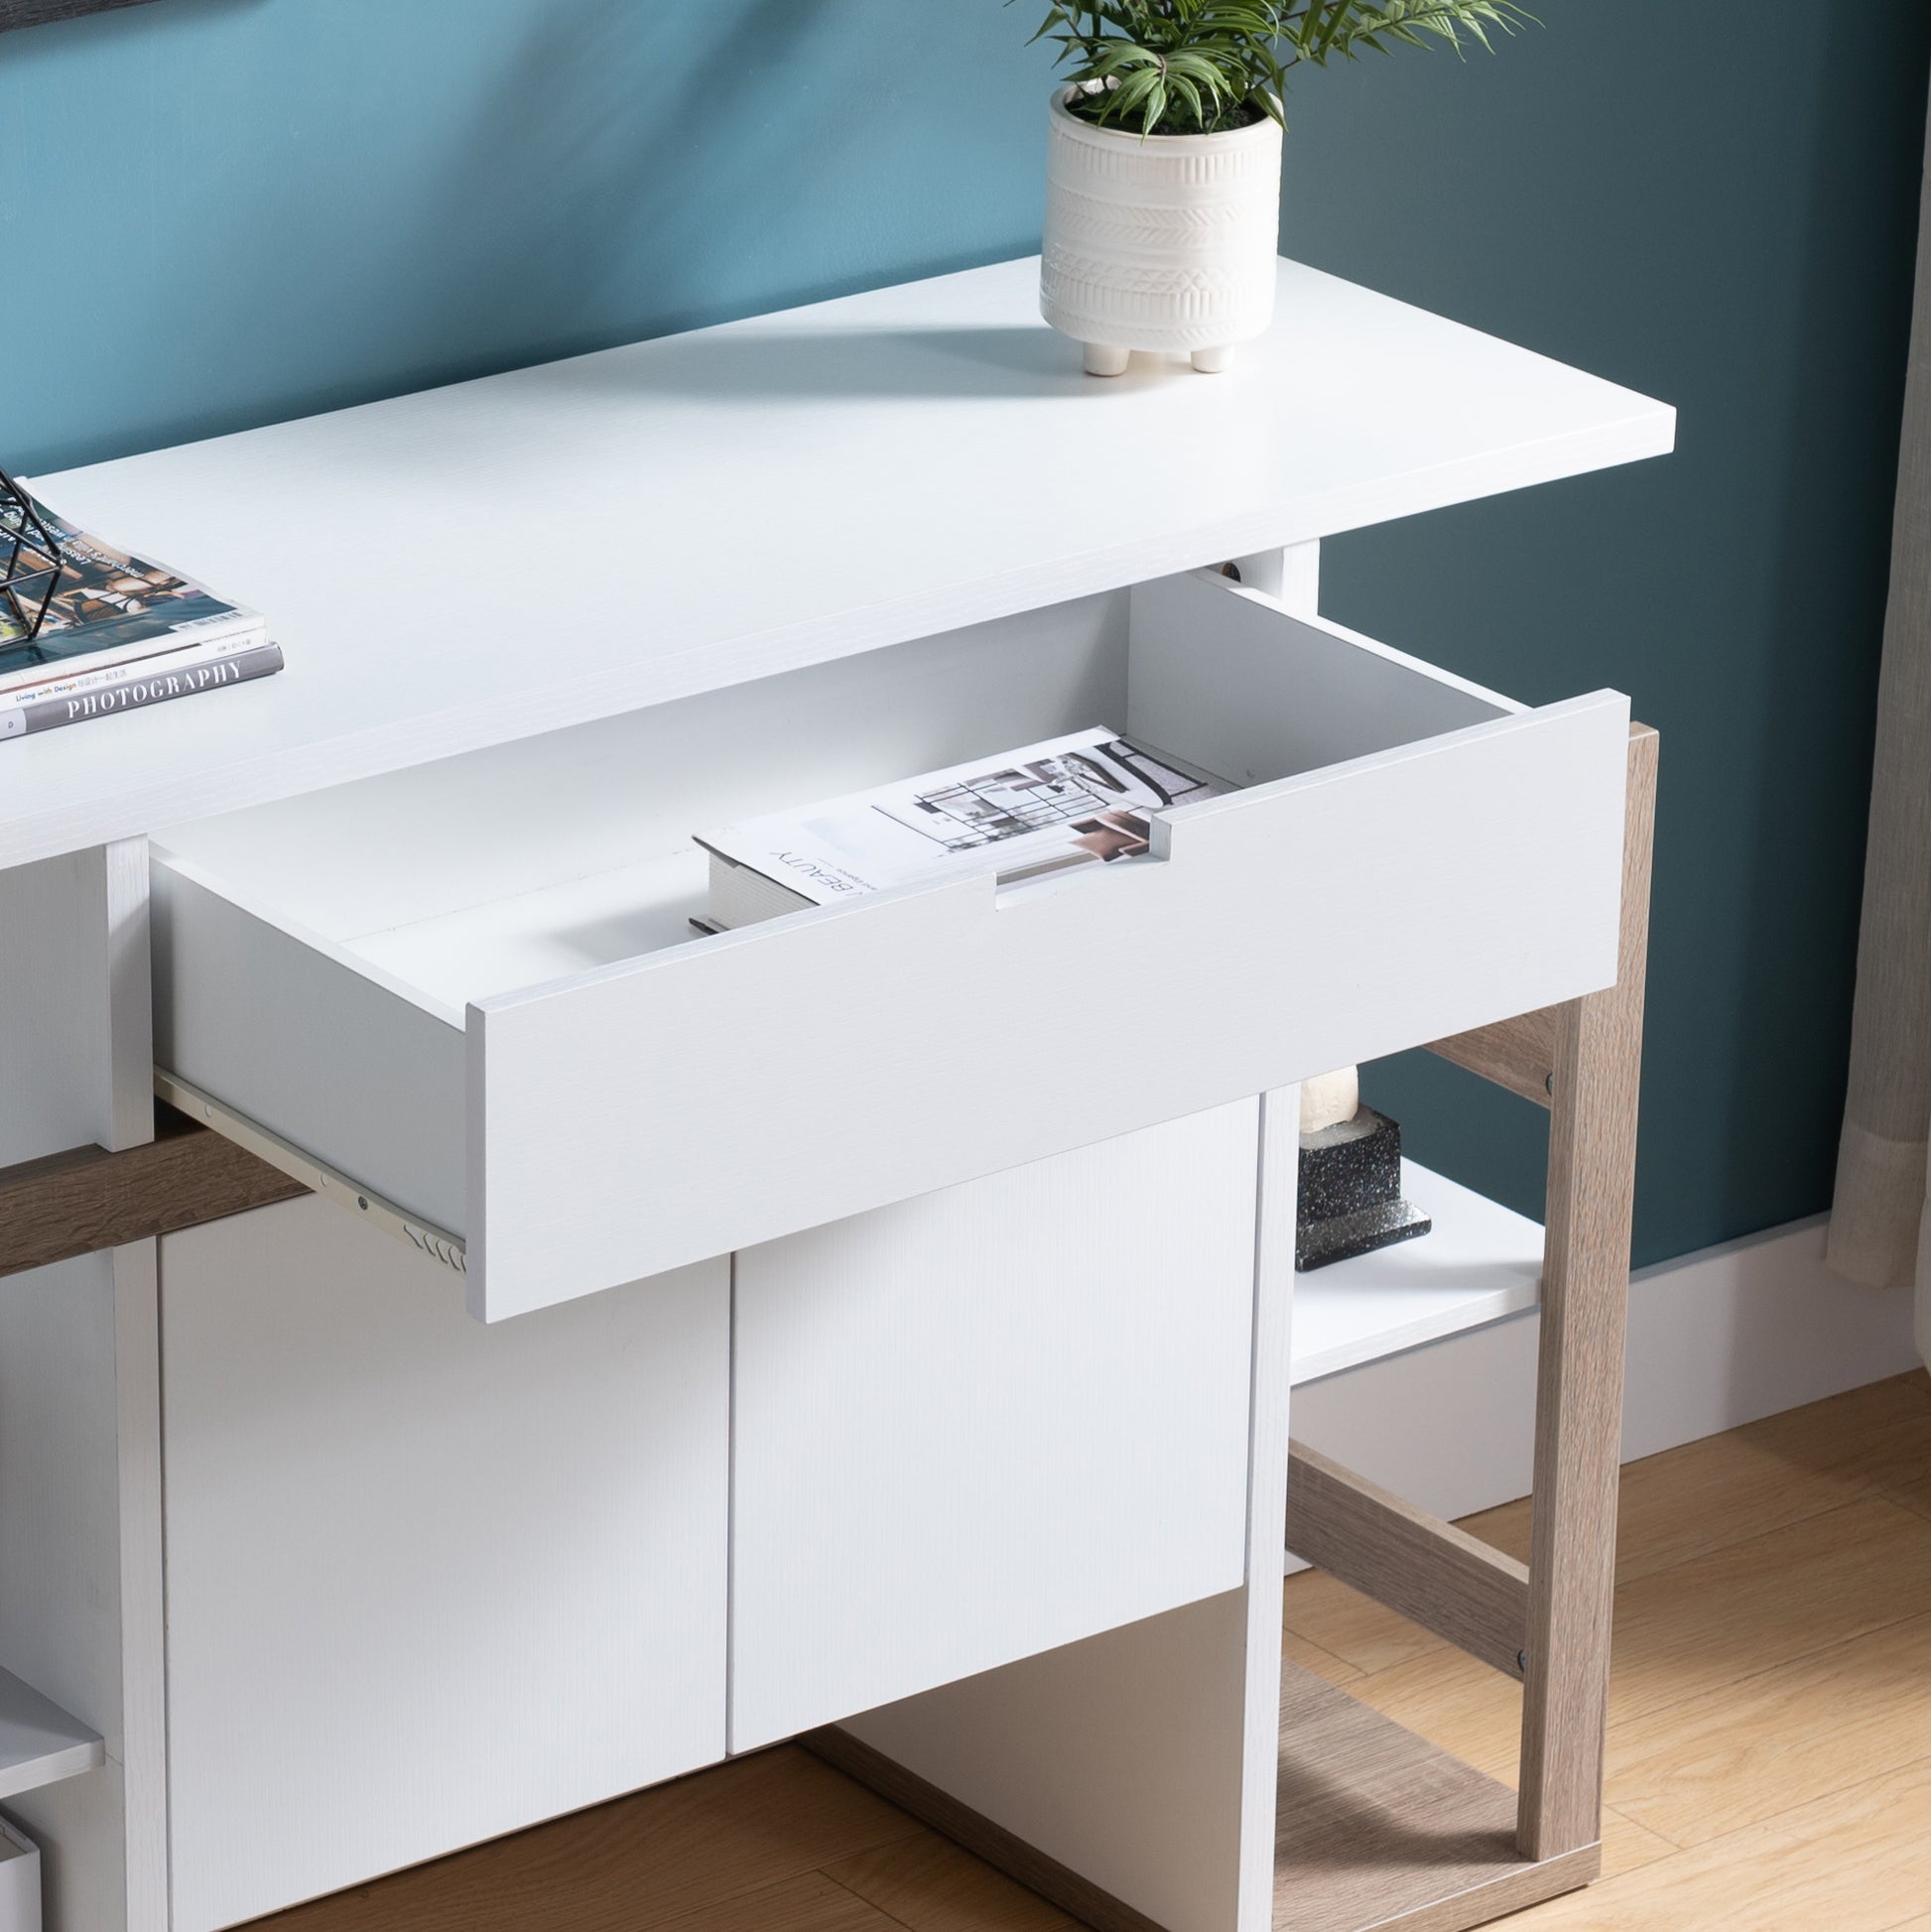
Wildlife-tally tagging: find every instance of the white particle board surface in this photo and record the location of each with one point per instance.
(574, 926)
(989, 1421)
(1480, 1262)
(427, 1582)
(40, 1744)
(79, 1401)
(1145, 1758)
(439, 841)
(498, 558)
(1119, 1756)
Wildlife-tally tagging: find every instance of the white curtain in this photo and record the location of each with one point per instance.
(1881, 1221)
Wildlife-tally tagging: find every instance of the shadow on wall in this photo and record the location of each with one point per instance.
(674, 172)
(317, 202)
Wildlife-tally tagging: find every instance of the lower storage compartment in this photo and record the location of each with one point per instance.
(427, 1582)
(430, 1582)
(990, 1421)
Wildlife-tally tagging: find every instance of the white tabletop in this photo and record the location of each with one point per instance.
(504, 556)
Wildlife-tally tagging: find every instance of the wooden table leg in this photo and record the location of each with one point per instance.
(1579, 1383)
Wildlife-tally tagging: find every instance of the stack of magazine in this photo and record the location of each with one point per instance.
(1081, 800)
(119, 634)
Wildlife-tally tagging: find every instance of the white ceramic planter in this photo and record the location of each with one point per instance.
(1164, 241)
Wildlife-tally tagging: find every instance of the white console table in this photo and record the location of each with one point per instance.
(875, 1324)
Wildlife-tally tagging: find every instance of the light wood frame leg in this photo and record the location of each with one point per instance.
(1597, 1053)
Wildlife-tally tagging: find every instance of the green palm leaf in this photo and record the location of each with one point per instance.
(1170, 67)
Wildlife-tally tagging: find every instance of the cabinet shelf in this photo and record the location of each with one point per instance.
(1479, 1263)
(40, 1744)
(1376, 1826)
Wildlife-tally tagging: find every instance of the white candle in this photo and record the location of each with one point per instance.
(1330, 1099)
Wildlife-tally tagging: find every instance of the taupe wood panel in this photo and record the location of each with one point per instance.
(1520, 1054)
(999, 1848)
(87, 1199)
(1579, 1378)
(1377, 1828)
(1415, 1564)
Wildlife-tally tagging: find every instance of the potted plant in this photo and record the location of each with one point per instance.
(1163, 165)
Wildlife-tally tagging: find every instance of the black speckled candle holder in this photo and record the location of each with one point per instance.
(1351, 1191)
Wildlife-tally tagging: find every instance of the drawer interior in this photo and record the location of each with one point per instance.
(547, 857)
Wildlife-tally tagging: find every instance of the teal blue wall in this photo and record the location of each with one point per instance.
(254, 209)
(219, 212)
(1725, 219)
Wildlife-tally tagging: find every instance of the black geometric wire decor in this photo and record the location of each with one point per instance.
(30, 559)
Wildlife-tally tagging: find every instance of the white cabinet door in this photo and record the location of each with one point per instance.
(428, 1580)
(992, 1420)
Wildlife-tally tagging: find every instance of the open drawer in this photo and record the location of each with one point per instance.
(472, 992)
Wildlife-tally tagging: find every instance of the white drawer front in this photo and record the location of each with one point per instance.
(1412, 857)
(795, 1073)
(990, 1421)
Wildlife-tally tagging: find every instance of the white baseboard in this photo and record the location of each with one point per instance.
(1716, 1340)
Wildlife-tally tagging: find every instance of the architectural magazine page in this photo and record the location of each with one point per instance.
(1081, 800)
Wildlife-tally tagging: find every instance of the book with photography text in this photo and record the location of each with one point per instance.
(133, 686)
(1087, 798)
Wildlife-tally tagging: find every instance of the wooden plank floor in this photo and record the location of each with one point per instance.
(1769, 1754)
